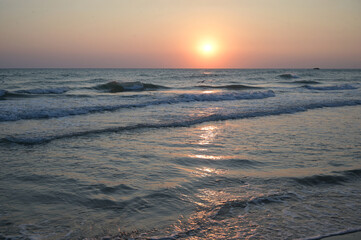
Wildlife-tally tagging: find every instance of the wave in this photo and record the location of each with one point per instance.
(206, 75)
(96, 80)
(334, 87)
(101, 197)
(102, 188)
(224, 96)
(213, 216)
(59, 90)
(229, 87)
(287, 76)
(3, 93)
(182, 123)
(321, 179)
(224, 209)
(307, 82)
(36, 91)
(339, 179)
(56, 113)
(115, 86)
(218, 160)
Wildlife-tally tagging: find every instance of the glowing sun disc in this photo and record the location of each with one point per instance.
(207, 48)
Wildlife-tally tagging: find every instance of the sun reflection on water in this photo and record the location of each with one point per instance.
(210, 157)
(208, 91)
(208, 171)
(208, 135)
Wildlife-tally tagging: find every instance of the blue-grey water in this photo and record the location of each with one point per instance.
(179, 154)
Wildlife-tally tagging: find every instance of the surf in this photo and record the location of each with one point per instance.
(179, 98)
(185, 121)
(115, 87)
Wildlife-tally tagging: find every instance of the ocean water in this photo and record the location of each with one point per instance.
(179, 153)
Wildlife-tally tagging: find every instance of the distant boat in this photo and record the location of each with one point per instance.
(316, 68)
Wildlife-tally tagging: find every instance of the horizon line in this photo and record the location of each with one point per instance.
(189, 68)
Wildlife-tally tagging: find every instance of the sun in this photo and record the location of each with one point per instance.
(207, 48)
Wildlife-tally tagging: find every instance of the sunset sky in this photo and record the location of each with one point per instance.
(180, 33)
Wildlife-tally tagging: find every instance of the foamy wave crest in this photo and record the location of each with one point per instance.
(115, 86)
(185, 122)
(229, 87)
(224, 96)
(59, 90)
(56, 113)
(334, 87)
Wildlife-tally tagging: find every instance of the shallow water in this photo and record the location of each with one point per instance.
(179, 153)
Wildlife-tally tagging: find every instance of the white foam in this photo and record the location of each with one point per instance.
(59, 90)
(132, 86)
(184, 122)
(222, 96)
(16, 114)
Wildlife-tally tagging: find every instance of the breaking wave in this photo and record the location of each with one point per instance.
(334, 87)
(186, 122)
(36, 91)
(59, 90)
(340, 178)
(229, 87)
(115, 86)
(307, 82)
(224, 96)
(58, 112)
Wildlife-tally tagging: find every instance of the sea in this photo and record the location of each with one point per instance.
(179, 153)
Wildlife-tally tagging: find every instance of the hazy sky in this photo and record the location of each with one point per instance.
(172, 33)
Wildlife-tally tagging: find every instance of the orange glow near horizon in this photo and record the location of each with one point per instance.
(180, 34)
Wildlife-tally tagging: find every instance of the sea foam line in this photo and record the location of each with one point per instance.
(35, 91)
(58, 90)
(182, 98)
(186, 123)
